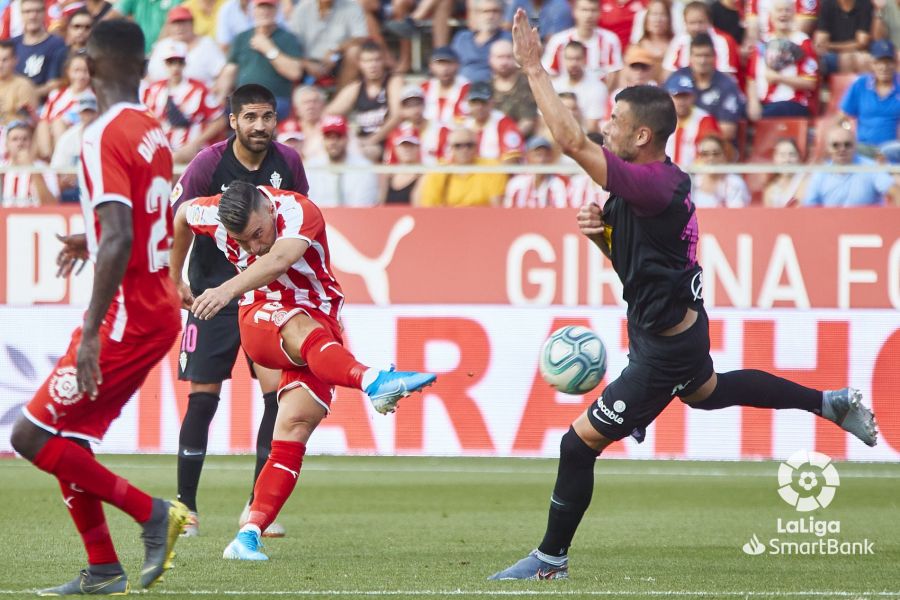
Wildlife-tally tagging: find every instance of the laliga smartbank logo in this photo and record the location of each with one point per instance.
(807, 481)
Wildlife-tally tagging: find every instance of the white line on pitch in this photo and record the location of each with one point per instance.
(460, 592)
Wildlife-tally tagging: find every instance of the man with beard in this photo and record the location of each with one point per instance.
(209, 348)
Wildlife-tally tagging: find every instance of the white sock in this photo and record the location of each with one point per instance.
(251, 527)
(369, 377)
(556, 561)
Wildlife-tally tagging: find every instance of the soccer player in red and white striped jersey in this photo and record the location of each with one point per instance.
(131, 322)
(604, 51)
(289, 318)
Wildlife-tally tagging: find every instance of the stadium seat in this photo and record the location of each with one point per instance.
(837, 86)
(768, 131)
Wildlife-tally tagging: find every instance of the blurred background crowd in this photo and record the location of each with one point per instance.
(427, 82)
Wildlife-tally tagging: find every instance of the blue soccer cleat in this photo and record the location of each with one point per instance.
(390, 386)
(245, 546)
(532, 567)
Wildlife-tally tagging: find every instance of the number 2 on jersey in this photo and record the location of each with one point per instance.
(159, 243)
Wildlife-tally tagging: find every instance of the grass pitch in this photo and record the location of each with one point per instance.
(423, 527)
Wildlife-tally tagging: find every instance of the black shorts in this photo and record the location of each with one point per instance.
(209, 348)
(659, 368)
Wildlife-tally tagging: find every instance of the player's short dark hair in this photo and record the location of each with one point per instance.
(251, 93)
(370, 45)
(118, 39)
(8, 45)
(652, 107)
(578, 46)
(698, 5)
(702, 40)
(237, 203)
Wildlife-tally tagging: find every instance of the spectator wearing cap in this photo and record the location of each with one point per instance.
(874, 101)
(18, 96)
(40, 55)
(267, 54)
(77, 29)
(67, 151)
(190, 115)
(473, 46)
(21, 186)
(549, 16)
(206, 16)
(446, 90)
(536, 190)
(330, 33)
(308, 106)
(498, 136)
(406, 149)
(356, 187)
(150, 16)
(640, 68)
(604, 52)
(843, 34)
(431, 136)
(373, 101)
(591, 94)
(463, 189)
(782, 73)
(694, 123)
(512, 94)
(205, 59)
(60, 111)
(848, 189)
(717, 93)
(697, 19)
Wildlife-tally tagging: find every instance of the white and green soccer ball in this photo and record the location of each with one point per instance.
(573, 360)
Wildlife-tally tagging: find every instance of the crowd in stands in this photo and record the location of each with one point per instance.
(785, 82)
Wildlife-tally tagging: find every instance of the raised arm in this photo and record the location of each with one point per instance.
(565, 129)
(181, 243)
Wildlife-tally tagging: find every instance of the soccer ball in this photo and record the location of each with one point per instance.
(573, 360)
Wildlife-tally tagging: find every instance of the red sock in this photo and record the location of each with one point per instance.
(87, 512)
(330, 361)
(276, 482)
(70, 462)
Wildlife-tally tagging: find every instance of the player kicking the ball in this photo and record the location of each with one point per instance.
(648, 229)
(289, 319)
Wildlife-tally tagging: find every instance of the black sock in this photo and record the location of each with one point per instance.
(750, 387)
(571, 494)
(264, 434)
(192, 443)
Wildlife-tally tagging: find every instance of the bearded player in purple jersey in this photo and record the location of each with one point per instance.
(648, 229)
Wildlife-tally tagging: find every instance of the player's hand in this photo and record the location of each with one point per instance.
(210, 302)
(590, 219)
(185, 294)
(74, 250)
(87, 365)
(526, 42)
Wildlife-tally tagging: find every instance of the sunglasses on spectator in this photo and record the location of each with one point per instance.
(838, 145)
(463, 145)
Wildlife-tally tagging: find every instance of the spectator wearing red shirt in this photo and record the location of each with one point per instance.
(694, 123)
(537, 190)
(618, 16)
(446, 90)
(431, 136)
(498, 135)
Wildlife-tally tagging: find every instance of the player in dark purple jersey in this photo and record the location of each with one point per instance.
(209, 347)
(648, 230)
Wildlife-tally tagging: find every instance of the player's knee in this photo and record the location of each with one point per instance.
(296, 427)
(27, 439)
(202, 406)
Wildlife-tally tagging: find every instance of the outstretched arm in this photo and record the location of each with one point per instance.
(183, 237)
(264, 270)
(565, 129)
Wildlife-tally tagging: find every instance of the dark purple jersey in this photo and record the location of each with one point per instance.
(651, 232)
(210, 173)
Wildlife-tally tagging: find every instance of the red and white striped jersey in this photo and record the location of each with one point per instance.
(584, 190)
(308, 282)
(432, 141)
(446, 106)
(60, 102)
(806, 65)
(18, 189)
(125, 158)
(192, 98)
(499, 138)
(682, 145)
(727, 54)
(760, 10)
(524, 191)
(604, 52)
